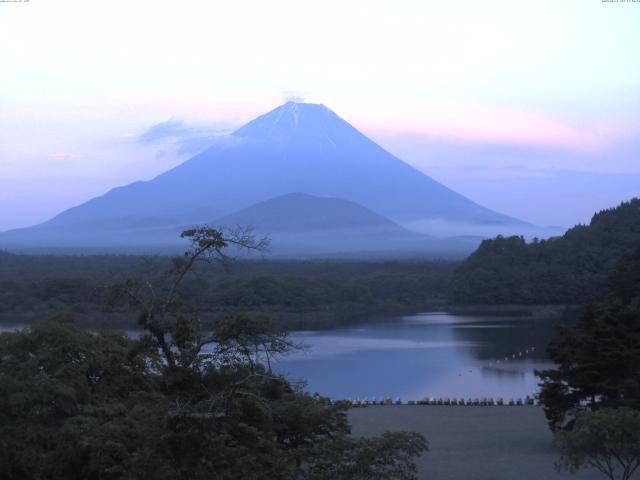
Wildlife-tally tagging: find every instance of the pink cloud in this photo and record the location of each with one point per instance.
(61, 155)
(475, 123)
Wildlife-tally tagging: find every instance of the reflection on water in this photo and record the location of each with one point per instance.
(433, 354)
(425, 355)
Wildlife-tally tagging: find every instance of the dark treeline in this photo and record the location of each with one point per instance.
(294, 294)
(572, 269)
(591, 396)
(178, 402)
(598, 358)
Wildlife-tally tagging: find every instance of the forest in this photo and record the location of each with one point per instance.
(194, 392)
(294, 294)
(179, 402)
(571, 269)
(297, 294)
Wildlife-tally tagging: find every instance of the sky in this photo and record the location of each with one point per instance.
(531, 108)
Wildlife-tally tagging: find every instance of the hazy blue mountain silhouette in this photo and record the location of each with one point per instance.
(299, 212)
(297, 147)
(298, 224)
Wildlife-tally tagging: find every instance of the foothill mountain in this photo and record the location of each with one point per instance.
(299, 172)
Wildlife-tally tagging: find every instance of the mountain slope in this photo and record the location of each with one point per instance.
(571, 269)
(299, 212)
(294, 148)
(305, 225)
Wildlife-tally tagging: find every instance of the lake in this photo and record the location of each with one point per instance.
(424, 355)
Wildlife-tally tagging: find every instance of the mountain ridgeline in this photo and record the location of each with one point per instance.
(571, 269)
(297, 147)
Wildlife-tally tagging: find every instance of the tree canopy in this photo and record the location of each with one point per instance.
(607, 440)
(598, 359)
(571, 269)
(179, 402)
(294, 294)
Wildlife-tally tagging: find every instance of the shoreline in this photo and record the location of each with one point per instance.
(317, 321)
(535, 311)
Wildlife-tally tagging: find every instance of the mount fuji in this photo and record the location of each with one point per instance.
(297, 147)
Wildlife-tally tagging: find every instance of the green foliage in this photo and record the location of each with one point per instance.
(383, 458)
(608, 440)
(180, 402)
(294, 294)
(598, 360)
(75, 405)
(572, 269)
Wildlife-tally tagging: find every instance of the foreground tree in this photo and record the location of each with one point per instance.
(592, 399)
(388, 457)
(607, 440)
(180, 402)
(172, 328)
(598, 359)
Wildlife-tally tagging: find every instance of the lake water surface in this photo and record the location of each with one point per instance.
(430, 354)
(417, 356)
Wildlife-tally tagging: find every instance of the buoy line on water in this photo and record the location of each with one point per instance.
(475, 402)
(478, 401)
(514, 356)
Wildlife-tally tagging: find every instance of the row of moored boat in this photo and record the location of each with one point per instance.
(477, 402)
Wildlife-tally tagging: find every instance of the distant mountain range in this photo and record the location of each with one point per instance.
(354, 193)
(298, 224)
(300, 212)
